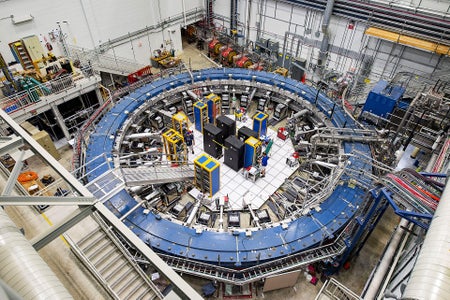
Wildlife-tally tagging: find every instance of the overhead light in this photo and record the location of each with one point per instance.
(21, 19)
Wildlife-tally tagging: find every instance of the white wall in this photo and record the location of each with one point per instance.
(45, 17)
(305, 34)
(93, 22)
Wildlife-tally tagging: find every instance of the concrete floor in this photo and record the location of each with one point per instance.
(75, 278)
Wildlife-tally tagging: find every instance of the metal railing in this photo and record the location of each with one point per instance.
(29, 97)
(90, 266)
(81, 138)
(159, 172)
(99, 59)
(259, 271)
(189, 16)
(109, 234)
(334, 290)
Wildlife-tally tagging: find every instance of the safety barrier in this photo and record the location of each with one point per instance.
(34, 94)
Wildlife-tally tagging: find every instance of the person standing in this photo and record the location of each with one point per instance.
(189, 140)
(264, 161)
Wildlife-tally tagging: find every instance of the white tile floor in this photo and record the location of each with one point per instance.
(234, 183)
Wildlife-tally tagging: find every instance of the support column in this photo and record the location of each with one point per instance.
(99, 96)
(60, 121)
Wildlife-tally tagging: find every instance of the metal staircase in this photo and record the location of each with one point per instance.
(156, 174)
(258, 272)
(105, 257)
(104, 62)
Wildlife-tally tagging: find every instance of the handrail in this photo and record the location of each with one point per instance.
(113, 236)
(99, 59)
(112, 97)
(259, 271)
(333, 289)
(33, 95)
(78, 140)
(88, 264)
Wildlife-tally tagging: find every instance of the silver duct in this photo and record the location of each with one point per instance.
(22, 269)
(323, 54)
(430, 278)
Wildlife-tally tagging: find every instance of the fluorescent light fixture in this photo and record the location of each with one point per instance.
(21, 19)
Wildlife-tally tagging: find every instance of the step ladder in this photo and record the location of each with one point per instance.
(22, 55)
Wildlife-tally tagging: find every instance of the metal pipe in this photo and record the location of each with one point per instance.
(189, 71)
(87, 23)
(385, 16)
(193, 213)
(139, 204)
(249, 14)
(406, 115)
(184, 14)
(140, 135)
(192, 95)
(351, 138)
(429, 278)
(299, 114)
(233, 15)
(221, 217)
(22, 267)
(326, 35)
(385, 262)
(396, 259)
(159, 27)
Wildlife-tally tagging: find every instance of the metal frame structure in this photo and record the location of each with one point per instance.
(181, 288)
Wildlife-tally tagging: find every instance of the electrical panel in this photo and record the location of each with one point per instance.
(214, 107)
(200, 115)
(260, 123)
(180, 123)
(252, 151)
(174, 146)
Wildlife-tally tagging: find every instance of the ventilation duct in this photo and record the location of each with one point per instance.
(22, 269)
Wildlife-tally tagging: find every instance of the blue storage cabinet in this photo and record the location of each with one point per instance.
(214, 107)
(212, 168)
(383, 98)
(252, 151)
(200, 115)
(260, 123)
(207, 174)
